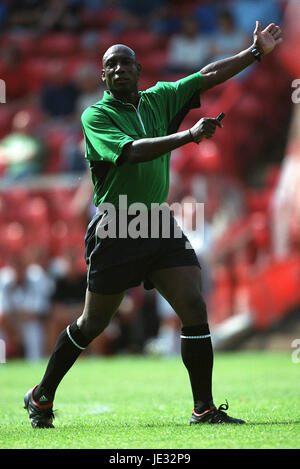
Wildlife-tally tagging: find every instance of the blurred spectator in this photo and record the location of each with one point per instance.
(59, 95)
(68, 297)
(135, 14)
(3, 13)
(24, 15)
(89, 86)
(141, 9)
(189, 50)
(94, 5)
(13, 73)
(25, 292)
(88, 59)
(72, 154)
(61, 16)
(207, 14)
(42, 16)
(22, 153)
(164, 21)
(90, 43)
(246, 12)
(228, 40)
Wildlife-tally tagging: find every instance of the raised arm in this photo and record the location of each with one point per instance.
(222, 70)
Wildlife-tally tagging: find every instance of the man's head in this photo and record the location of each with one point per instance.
(120, 70)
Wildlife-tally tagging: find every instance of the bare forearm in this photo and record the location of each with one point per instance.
(222, 70)
(148, 149)
(264, 41)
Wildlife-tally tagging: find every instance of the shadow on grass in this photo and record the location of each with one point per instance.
(290, 422)
(125, 426)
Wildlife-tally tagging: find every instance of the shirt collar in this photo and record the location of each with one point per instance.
(109, 99)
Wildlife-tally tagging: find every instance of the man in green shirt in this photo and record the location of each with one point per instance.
(158, 112)
(129, 136)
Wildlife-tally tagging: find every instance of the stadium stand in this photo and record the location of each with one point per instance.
(245, 161)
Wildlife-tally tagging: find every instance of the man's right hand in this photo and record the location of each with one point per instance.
(148, 149)
(204, 128)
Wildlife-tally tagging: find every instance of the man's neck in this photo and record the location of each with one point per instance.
(131, 98)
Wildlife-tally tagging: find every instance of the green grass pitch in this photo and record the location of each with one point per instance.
(141, 402)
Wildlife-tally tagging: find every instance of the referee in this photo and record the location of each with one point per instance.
(129, 136)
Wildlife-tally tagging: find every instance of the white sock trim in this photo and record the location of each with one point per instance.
(72, 340)
(195, 336)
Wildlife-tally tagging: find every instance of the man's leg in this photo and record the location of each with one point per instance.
(181, 286)
(96, 315)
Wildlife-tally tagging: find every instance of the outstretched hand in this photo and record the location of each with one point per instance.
(267, 39)
(204, 128)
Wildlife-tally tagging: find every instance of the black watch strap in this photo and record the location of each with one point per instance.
(256, 53)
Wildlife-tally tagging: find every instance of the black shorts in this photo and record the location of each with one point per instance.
(116, 264)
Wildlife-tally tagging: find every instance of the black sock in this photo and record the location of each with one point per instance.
(197, 355)
(68, 347)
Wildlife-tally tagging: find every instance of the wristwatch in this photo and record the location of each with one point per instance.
(256, 53)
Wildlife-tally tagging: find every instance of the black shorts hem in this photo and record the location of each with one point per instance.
(110, 291)
(95, 287)
(148, 285)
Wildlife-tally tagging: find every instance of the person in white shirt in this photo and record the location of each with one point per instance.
(189, 50)
(25, 300)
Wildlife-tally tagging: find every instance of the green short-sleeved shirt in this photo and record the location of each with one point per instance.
(110, 124)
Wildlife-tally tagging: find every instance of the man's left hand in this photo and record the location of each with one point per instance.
(266, 40)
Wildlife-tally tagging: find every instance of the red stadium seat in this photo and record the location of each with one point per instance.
(6, 116)
(57, 45)
(260, 230)
(37, 72)
(54, 139)
(99, 18)
(259, 200)
(106, 40)
(4, 207)
(16, 199)
(259, 82)
(275, 292)
(154, 63)
(249, 106)
(220, 301)
(208, 158)
(146, 82)
(58, 198)
(59, 237)
(73, 65)
(36, 211)
(26, 43)
(141, 42)
(13, 238)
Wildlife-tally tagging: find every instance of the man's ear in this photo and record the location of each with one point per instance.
(139, 68)
(103, 75)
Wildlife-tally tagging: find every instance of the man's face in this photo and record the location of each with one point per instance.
(120, 70)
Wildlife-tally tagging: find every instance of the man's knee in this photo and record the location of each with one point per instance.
(98, 312)
(92, 323)
(194, 311)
